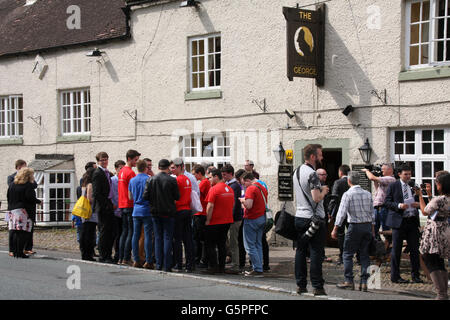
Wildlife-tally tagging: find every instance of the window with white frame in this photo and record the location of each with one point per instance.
(75, 112)
(205, 62)
(11, 116)
(426, 151)
(56, 190)
(427, 33)
(214, 149)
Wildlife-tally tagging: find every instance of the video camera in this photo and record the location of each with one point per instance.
(374, 169)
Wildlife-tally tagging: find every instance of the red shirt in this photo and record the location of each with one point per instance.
(204, 186)
(185, 188)
(125, 175)
(223, 198)
(259, 208)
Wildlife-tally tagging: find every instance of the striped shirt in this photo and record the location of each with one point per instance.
(356, 205)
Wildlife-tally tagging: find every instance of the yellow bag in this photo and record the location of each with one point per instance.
(82, 208)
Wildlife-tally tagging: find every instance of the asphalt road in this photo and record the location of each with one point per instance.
(52, 275)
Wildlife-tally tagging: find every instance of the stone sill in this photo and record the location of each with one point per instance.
(11, 141)
(199, 95)
(425, 73)
(73, 138)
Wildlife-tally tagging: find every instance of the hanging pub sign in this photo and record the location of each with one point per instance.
(305, 43)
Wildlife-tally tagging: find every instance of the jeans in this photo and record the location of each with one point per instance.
(380, 214)
(148, 230)
(316, 246)
(163, 230)
(127, 234)
(253, 232)
(357, 238)
(183, 234)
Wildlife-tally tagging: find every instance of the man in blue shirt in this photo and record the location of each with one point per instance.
(141, 216)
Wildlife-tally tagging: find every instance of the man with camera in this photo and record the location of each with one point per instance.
(381, 184)
(310, 220)
(356, 207)
(403, 218)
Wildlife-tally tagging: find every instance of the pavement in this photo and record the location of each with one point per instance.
(280, 277)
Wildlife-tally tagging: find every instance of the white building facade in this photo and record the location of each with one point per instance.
(209, 83)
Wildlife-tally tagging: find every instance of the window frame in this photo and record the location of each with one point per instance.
(419, 157)
(6, 115)
(206, 54)
(215, 159)
(432, 31)
(82, 117)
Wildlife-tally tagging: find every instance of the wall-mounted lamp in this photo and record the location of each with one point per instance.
(290, 113)
(280, 153)
(189, 3)
(95, 53)
(348, 109)
(366, 151)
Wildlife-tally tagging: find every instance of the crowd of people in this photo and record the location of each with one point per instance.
(218, 217)
(357, 218)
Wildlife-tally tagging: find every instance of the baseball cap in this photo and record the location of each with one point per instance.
(178, 161)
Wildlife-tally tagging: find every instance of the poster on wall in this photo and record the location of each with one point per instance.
(305, 43)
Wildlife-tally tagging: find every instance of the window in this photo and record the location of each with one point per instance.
(205, 62)
(424, 150)
(214, 149)
(427, 33)
(56, 190)
(11, 116)
(75, 112)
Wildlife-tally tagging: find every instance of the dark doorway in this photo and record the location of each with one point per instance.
(332, 160)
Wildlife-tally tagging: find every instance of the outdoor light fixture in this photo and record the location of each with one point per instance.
(280, 153)
(95, 53)
(366, 151)
(189, 3)
(290, 113)
(348, 109)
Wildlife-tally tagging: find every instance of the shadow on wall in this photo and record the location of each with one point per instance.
(345, 80)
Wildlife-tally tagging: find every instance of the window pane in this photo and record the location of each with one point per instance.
(414, 34)
(426, 169)
(441, 8)
(217, 57)
(195, 80)
(409, 148)
(60, 178)
(410, 135)
(201, 49)
(210, 62)
(211, 78)
(426, 148)
(426, 135)
(194, 64)
(426, 10)
(52, 177)
(194, 48)
(202, 64)
(399, 135)
(438, 166)
(218, 44)
(414, 55)
(66, 177)
(211, 45)
(202, 80)
(438, 135)
(439, 50)
(415, 12)
(438, 148)
(398, 148)
(217, 78)
(425, 32)
(424, 54)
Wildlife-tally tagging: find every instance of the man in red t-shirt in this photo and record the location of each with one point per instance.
(126, 207)
(254, 221)
(219, 216)
(183, 220)
(200, 217)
